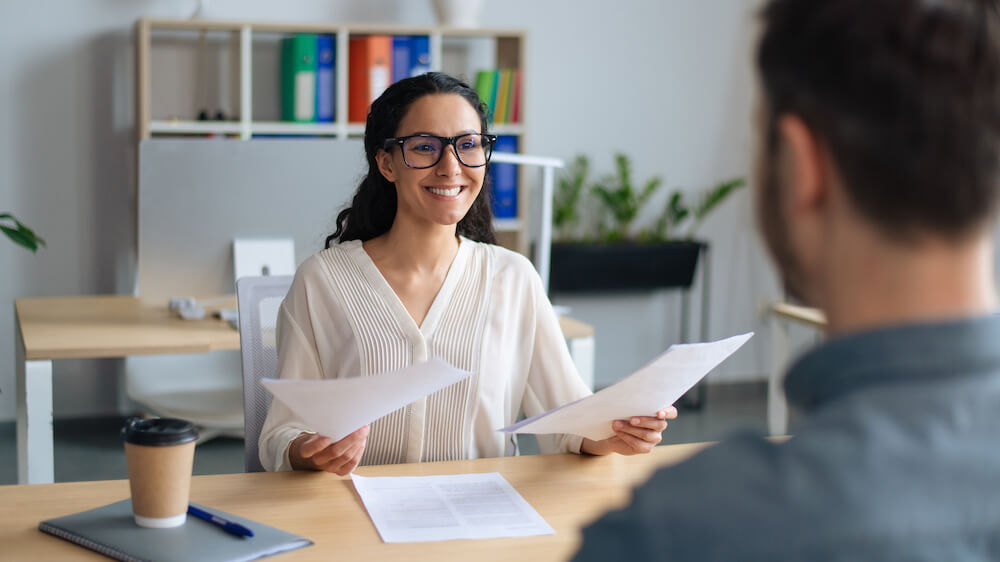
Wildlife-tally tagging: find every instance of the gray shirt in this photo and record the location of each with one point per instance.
(898, 459)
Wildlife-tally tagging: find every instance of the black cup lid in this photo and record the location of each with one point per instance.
(159, 431)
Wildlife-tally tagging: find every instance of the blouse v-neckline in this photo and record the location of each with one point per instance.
(381, 285)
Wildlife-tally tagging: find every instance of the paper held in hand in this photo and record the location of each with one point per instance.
(337, 407)
(643, 393)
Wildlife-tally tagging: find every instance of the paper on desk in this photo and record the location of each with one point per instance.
(337, 407)
(643, 393)
(440, 508)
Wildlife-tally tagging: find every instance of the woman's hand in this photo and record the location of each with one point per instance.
(633, 436)
(315, 452)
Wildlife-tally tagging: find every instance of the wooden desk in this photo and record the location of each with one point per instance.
(782, 315)
(122, 326)
(569, 491)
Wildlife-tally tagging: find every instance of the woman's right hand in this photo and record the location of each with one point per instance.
(311, 451)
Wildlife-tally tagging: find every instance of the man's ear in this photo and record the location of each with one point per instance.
(385, 165)
(805, 164)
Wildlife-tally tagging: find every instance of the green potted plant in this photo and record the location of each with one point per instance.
(19, 233)
(615, 255)
(566, 208)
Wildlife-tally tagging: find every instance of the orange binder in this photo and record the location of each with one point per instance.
(369, 73)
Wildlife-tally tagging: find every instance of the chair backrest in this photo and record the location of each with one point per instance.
(258, 299)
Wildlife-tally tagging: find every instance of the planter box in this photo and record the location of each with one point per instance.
(579, 267)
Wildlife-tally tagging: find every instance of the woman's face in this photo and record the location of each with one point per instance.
(443, 193)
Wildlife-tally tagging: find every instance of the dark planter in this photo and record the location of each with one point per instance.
(626, 266)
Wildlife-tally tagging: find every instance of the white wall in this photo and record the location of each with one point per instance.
(669, 82)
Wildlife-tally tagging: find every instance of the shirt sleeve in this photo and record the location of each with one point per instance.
(733, 501)
(297, 359)
(553, 379)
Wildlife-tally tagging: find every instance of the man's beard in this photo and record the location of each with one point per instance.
(773, 225)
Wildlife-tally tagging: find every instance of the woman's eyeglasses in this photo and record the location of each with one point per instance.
(424, 151)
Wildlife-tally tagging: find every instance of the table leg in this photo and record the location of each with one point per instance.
(582, 351)
(35, 459)
(777, 407)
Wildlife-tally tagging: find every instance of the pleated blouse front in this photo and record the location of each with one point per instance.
(341, 318)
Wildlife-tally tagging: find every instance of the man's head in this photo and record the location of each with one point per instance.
(884, 110)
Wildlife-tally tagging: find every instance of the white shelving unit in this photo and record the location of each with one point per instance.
(233, 46)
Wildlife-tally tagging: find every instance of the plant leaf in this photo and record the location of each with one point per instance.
(20, 237)
(717, 195)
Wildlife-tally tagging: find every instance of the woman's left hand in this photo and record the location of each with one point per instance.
(633, 436)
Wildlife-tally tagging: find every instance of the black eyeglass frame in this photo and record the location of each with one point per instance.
(490, 140)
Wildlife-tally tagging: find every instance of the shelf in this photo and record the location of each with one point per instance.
(232, 67)
(507, 225)
(283, 128)
(178, 127)
(327, 27)
(187, 127)
(507, 129)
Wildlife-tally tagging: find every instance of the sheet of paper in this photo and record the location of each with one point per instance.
(644, 392)
(440, 508)
(337, 407)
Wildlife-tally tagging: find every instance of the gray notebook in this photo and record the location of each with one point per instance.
(111, 531)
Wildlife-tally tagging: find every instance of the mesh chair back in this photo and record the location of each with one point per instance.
(258, 299)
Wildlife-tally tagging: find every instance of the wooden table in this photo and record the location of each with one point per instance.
(568, 490)
(112, 326)
(782, 315)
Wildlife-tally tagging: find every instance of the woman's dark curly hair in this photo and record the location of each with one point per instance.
(373, 207)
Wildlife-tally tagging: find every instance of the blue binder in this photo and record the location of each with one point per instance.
(420, 55)
(400, 57)
(326, 85)
(503, 196)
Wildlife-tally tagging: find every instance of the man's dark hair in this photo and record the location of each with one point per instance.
(905, 95)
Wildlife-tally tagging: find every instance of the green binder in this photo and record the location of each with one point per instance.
(111, 531)
(298, 78)
(486, 86)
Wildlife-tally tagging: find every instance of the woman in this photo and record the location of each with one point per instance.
(410, 273)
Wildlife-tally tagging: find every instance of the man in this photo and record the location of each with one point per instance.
(877, 194)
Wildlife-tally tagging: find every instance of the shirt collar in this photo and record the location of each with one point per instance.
(905, 353)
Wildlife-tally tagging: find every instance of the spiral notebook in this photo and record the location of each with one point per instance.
(111, 531)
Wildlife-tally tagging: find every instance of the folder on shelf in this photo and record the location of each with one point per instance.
(298, 78)
(370, 72)
(503, 194)
(515, 113)
(111, 531)
(326, 72)
(400, 57)
(420, 55)
(503, 96)
(485, 86)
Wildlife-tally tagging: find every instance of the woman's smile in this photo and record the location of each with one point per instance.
(449, 192)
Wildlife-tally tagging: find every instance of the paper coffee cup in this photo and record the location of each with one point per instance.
(160, 457)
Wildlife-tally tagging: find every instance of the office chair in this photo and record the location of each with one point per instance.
(207, 389)
(175, 386)
(258, 300)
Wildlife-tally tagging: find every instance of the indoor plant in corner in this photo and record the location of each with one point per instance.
(19, 233)
(612, 255)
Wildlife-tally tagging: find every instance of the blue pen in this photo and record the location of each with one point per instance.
(228, 526)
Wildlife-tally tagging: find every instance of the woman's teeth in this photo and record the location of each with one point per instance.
(449, 192)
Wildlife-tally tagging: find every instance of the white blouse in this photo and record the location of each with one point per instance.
(341, 319)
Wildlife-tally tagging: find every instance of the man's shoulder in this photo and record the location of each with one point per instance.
(730, 477)
(729, 501)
